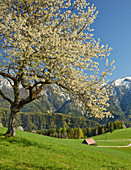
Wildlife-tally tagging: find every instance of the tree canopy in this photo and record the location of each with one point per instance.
(51, 42)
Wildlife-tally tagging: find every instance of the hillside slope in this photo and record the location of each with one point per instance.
(32, 151)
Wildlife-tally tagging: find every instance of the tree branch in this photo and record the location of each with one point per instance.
(65, 87)
(6, 98)
(7, 75)
(63, 18)
(32, 95)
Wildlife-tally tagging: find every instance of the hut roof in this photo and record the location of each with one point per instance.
(89, 141)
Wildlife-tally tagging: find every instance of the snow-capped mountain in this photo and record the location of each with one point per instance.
(125, 81)
(121, 87)
(121, 96)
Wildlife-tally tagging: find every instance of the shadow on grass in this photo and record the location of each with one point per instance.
(23, 142)
(23, 165)
(1, 134)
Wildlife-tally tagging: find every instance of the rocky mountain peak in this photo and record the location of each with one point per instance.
(125, 81)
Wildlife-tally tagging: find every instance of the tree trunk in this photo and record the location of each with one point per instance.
(11, 123)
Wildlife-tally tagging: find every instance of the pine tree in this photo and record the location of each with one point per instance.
(111, 127)
(80, 133)
(88, 132)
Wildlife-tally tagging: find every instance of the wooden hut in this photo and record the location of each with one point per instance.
(90, 141)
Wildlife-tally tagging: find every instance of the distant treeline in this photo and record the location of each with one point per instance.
(57, 124)
(78, 133)
(41, 121)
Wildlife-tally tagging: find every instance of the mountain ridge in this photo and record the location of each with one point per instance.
(59, 102)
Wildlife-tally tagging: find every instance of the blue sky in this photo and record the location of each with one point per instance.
(113, 27)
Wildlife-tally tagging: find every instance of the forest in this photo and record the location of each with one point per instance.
(78, 133)
(60, 125)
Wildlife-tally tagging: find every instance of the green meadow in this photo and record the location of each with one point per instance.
(33, 151)
(117, 138)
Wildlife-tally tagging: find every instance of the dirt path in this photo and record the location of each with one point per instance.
(115, 146)
(108, 140)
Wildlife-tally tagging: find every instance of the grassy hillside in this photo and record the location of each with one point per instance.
(32, 151)
(117, 138)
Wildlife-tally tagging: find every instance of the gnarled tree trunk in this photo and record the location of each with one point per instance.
(11, 123)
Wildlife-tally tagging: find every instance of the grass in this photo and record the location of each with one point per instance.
(117, 134)
(117, 138)
(33, 151)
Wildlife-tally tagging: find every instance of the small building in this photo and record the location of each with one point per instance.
(90, 141)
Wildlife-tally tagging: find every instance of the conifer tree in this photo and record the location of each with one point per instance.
(88, 132)
(115, 125)
(102, 130)
(80, 133)
(111, 127)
